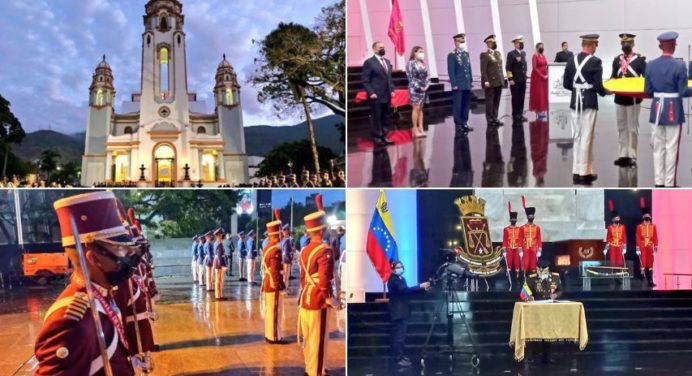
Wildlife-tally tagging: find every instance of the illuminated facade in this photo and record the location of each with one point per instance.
(163, 128)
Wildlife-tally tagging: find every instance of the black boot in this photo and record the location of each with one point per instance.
(650, 278)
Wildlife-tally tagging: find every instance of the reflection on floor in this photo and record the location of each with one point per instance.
(534, 154)
(197, 335)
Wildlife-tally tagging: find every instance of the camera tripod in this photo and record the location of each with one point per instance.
(451, 305)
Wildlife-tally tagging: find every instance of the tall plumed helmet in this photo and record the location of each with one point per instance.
(277, 214)
(611, 208)
(318, 202)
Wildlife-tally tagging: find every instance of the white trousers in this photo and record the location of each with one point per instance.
(219, 275)
(241, 267)
(315, 331)
(583, 141)
(209, 277)
(251, 270)
(628, 130)
(194, 270)
(273, 315)
(200, 274)
(666, 154)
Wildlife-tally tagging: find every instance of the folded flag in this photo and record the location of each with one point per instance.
(525, 292)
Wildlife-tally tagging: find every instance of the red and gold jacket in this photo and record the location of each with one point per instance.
(617, 236)
(124, 300)
(272, 267)
(646, 235)
(511, 238)
(316, 275)
(531, 236)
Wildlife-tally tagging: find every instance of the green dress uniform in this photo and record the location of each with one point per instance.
(541, 288)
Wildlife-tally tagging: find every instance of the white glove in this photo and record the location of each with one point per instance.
(521, 252)
(624, 250)
(639, 252)
(605, 250)
(540, 250)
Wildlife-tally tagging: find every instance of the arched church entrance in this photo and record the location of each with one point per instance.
(164, 165)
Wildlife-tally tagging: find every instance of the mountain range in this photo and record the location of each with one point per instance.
(259, 139)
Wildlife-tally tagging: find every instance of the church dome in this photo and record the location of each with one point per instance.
(103, 64)
(224, 63)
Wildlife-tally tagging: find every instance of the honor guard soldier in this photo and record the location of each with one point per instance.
(68, 342)
(200, 259)
(616, 239)
(133, 300)
(584, 78)
(532, 242)
(287, 253)
(194, 258)
(251, 256)
(628, 64)
(272, 283)
(242, 255)
(220, 265)
(647, 244)
(516, 74)
(511, 245)
(460, 77)
(316, 275)
(493, 79)
(209, 260)
(666, 82)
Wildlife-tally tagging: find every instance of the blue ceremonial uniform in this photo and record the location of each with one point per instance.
(219, 253)
(242, 251)
(666, 74)
(208, 254)
(200, 252)
(287, 250)
(264, 242)
(193, 251)
(250, 247)
(460, 77)
(304, 240)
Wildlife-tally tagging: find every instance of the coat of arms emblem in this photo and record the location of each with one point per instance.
(478, 252)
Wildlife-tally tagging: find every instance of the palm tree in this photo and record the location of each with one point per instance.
(48, 162)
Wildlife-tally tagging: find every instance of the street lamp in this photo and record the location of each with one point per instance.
(7, 127)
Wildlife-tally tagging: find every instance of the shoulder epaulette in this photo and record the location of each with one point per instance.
(77, 307)
(533, 275)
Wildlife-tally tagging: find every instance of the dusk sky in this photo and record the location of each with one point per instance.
(49, 49)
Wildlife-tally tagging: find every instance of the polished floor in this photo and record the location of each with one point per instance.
(534, 154)
(197, 335)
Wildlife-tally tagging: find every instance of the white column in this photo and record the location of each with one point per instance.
(429, 43)
(365, 17)
(497, 28)
(459, 12)
(399, 63)
(535, 27)
(109, 163)
(222, 166)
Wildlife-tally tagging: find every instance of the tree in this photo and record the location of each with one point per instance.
(299, 153)
(48, 162)
(69, 173)
(10, 131)
(331, 30)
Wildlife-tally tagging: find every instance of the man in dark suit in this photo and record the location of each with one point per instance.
(377, 80)
(564, 55)
(493, 79)
(516, 74)
(584, 78)
(399, 309)
(460, 78)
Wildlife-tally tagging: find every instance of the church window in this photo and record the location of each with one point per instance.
(128, 130)
(148, 40)
(100, 78)
(228, 100)
(164, 23)
(164, 61)
(201, 130)
(179, 40)
(99, 98)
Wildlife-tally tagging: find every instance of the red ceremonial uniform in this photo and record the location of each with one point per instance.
(272, 285)
(647, 239)
(511, 242)
(67, 343)
(617, 241)
(124, 300)
(531, 241)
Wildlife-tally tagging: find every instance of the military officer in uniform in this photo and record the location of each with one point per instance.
(287, 253)
(647, 244)
(251, 256)
(584, 78)
(200, 259)
(532, 242)
(194, 258)
(511, 246)
(516, 74)
(616, 238)
(627, 64)
(666, 81)
(67, 343)
(493, 80)
(316, 277)
(209, 261)
(272, 283)
(460, 77)
(219, 263)
(544, 285)
(242, 255)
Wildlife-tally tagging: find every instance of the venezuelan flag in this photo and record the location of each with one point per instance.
(381, 245)
(525, 292)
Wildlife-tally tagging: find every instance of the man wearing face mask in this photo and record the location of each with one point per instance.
(584, 78)
(532, 242)
(379, 86)
(399, 309)
(544, 285)
(493, 80)
(67, 343)
(628, 64)
(516, 74)
(511, 246)
(460, 78)
(647, 244)
(616, 239)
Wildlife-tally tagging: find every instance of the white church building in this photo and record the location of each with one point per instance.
(164, 137)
